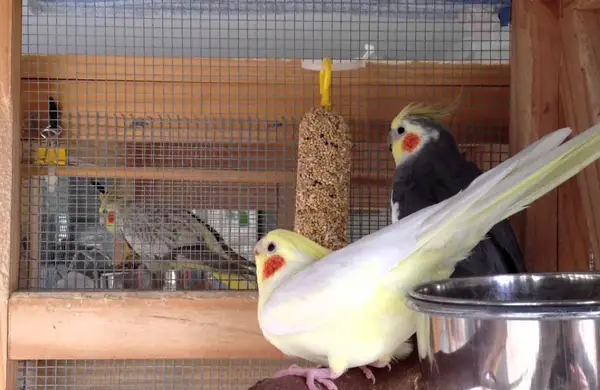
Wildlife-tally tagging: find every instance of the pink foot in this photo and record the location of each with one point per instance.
(381, 365)
(323, 376)
(369, 374)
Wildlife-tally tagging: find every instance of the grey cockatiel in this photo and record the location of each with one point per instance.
(430, 169)
(169, 237)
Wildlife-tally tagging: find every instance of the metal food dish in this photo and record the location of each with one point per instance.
(521, 332)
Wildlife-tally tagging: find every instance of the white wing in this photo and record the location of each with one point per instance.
(347, 278)
(341, 280)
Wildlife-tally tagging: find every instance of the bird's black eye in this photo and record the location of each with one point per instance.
(271, 248)
(400, 130)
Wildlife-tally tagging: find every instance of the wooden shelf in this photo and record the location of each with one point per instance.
(143, 325)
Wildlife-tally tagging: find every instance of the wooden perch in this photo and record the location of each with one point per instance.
(453, 371)
(405, 375)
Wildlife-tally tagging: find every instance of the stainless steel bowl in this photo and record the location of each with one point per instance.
(522, 332)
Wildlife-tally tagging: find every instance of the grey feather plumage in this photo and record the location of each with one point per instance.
(438, 171)
(167, 237)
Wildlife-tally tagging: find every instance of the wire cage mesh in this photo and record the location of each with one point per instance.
(229, 374)
(159, 139)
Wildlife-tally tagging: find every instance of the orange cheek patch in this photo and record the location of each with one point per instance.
(410, 142)
(272, 265)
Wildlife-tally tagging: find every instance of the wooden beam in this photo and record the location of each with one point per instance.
(579, 87)
(239, 163)
(249, 100)
(143, 325)
(257, 71)
(573, 237)
(249, 177)
(102, 110)
(215, 176)
(573, 234)
(10, 54)
(534, 113)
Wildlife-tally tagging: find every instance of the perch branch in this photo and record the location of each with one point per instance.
(404, 375)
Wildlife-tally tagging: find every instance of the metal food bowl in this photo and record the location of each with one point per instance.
(521, 332)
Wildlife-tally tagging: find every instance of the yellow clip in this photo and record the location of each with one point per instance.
(51, 156)
(325, 84)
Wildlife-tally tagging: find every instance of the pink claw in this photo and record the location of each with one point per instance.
(381, 365)
(323, 376)
(369, 374)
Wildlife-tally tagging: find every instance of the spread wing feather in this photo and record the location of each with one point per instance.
(347, 278)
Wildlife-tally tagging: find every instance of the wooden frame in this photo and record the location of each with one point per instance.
(537, 100)
(10, 53)
(562, 92)
(580, 97)
(136, 325)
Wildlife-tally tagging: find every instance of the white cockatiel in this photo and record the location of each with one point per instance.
(348, 308)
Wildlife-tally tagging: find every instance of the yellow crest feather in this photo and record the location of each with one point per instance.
(421, 110)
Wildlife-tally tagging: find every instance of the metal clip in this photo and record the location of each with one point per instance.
(51, 154)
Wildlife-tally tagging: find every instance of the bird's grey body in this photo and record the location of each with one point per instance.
(436, 172)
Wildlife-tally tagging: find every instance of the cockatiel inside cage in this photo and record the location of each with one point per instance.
(169, 237)
(430, 169)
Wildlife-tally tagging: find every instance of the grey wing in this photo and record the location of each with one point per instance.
(497, 254)
(411, 193)
(430, 181)
(142, 231)
(212, 251)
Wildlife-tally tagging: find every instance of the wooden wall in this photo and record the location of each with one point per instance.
(555, 79)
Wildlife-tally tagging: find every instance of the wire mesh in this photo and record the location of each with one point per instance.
(188, 112)
(226, 374)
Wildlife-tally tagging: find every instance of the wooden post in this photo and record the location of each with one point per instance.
(580, 97)
(573, 233)
(10, 86)
(534, 113)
